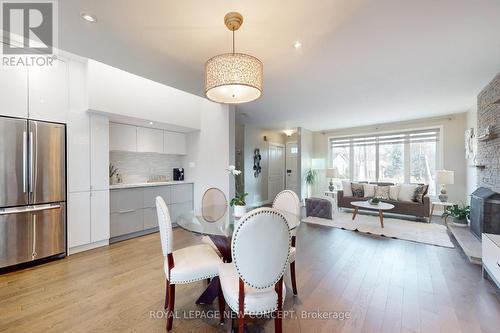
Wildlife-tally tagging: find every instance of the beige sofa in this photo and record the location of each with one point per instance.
(421, 210)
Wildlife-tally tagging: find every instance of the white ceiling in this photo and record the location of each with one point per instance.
(362, 61)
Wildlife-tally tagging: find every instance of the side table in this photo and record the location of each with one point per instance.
(440, 203)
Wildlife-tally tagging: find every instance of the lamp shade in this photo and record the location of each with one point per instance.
(331, 173)
(318, 164)
(233, 78)
(445, 177)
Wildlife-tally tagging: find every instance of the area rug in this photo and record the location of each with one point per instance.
(427, 233)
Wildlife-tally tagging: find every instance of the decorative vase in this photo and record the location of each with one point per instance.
(239, 211)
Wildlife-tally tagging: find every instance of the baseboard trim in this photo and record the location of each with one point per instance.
(86, 247)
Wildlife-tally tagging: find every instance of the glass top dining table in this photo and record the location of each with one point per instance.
(220, 231)
(195, 222)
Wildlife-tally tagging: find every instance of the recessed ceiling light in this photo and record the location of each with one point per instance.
(87, 17)
(150, 123)
(297, 45)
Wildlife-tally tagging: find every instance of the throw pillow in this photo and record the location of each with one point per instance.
(357, 190)
(369, 190)
(382, 192)
(346, 185)
(406, 192)
(419, 194)
(394, 192)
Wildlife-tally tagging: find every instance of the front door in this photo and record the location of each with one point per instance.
(276, 177)
(292, 152)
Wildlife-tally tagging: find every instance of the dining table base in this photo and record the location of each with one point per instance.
(223, 245)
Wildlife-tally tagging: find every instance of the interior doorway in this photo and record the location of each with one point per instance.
(276, 176)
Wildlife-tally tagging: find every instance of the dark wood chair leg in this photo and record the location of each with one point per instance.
(294, 281)
(222, 304)
(171, 305)
(241, 307)
(167, 286)
(208, 281)
(279, 312)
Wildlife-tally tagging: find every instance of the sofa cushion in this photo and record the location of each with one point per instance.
(406, 192)
(394, 192)
(382, 192)
(346, 186)
(357, 190)
(368, 190)
(419, 194)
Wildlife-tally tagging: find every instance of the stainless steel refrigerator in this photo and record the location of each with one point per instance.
(32, 190)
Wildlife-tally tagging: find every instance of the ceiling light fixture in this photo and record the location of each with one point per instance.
(289, 132)
(297, 45)
(88, 17)
(233, 78)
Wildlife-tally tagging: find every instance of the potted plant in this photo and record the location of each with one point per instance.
(374, 201)
(310, 178)
(459, 214)
(238, 202)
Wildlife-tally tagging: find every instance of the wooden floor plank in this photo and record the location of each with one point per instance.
(385, 285)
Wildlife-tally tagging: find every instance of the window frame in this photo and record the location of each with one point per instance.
(407, 159)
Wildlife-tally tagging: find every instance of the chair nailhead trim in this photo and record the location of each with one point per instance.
(194, 280)
(240, 224)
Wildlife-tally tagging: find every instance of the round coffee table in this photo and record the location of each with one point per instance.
(381, 206)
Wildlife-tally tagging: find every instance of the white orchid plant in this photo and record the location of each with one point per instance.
(239, 199)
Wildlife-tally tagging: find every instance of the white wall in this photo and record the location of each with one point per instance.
(257, 188)
(453, 147)
(471, 171)
(306, 151)
(208, 150)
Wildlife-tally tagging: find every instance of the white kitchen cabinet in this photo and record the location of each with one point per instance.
(149, 140)
(14, 92)
(78, 130)
(48, 92)
(78, 219)
(174, 143)
(99, 152)
(122, 137)
(99, 217)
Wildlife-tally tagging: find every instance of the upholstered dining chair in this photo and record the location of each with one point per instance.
(288, 201)
(213, 204)
(186, 265)
(253, 283)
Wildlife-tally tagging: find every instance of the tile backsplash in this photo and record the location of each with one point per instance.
(138, 167)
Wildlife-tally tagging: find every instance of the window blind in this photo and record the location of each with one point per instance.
(420, 136)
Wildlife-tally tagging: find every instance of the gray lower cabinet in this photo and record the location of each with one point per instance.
(126, 222)
(133, 211)
(150, 218)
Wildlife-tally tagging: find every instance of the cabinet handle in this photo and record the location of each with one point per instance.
(127, 211)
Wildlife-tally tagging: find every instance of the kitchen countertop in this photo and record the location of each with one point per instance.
(133, 185)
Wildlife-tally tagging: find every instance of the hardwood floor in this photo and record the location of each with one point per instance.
(386, 285)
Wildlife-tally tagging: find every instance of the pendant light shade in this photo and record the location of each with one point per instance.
(233, 78)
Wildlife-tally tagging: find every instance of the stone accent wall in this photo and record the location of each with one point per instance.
(488, 153)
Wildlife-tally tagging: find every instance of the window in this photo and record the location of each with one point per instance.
(404, 157)
(340, 156)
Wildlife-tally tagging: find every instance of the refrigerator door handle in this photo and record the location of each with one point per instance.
(33, 252)
(25, 162)
(31, 164)
(27, 209)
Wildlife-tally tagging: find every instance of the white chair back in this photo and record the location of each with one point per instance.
(260, 247)
(288, 201)
(165, 226)
(213, 204)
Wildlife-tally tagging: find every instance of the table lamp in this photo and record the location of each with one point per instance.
(331, 173)
(444, 177)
